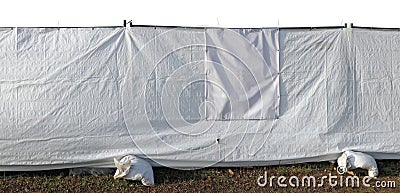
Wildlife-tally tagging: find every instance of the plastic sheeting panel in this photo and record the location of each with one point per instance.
(80, 96)
(316, 78)
(163, 104)
(313, 66)
(242, 74)
(376, 56)
(60, 95)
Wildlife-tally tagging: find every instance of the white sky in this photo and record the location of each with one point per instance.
(223, 13)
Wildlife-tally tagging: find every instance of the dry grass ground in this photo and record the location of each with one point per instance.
(204, 180)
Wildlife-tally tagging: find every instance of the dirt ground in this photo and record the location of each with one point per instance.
(210, 180)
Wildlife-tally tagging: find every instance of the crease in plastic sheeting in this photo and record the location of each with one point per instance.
(242, 74)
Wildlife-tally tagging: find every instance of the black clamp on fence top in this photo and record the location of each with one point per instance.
(348, 25)
(129, 22)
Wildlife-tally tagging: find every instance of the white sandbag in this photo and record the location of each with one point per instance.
(351, 160)
(131, 167)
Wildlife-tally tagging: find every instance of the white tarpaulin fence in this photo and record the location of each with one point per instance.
(194, 97)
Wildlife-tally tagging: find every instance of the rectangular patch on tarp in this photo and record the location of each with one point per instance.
(242, 74)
